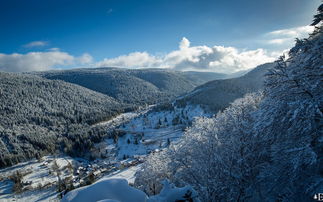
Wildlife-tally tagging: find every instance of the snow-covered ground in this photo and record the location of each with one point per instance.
(108, 189)
(38, 172)
(39, 179)
(118, 190)
(142, 132)
(42, 176)
(48, 194)
(152, 131)
(128, 174)
(125, 117)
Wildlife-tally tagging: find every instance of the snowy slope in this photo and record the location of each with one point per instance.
(128, 174)
(119, 190)
(152, 130)
(113, 189)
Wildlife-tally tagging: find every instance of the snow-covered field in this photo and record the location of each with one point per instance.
(128, 174)
(152, 131)
(48, 194)
(141, 132)
(38, 179)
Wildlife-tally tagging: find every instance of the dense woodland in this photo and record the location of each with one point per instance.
(267, 146)
(149, 86)
(41, 116)
(218, 94)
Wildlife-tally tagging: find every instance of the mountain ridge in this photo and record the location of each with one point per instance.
(218, 94)
(133, 86)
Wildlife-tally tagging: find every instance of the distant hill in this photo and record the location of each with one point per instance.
(238, 74)
(139, 86)
(218, 94)
(200, 78)
(41, 116)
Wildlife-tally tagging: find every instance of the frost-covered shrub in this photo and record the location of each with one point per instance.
(154, 171)
(214, 156)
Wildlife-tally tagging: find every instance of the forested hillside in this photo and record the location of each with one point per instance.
(264, 147)
(218, 94)
(41, 116)
(142, 86)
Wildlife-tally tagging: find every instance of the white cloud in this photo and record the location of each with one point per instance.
(53, 49)
(185, 43)
(287, 36)
(134, 60)
(85, 59)
(198, 58)
(39, 61)
(279, 41)
(231, 60)
(186, 57)
(293, 32)
(36, 44)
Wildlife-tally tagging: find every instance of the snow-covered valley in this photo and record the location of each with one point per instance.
(135, 135)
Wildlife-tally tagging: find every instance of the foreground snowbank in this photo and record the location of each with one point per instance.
(170, 193)
(118, 190)
(112, 189)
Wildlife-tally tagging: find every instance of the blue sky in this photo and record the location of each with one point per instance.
(147, 33)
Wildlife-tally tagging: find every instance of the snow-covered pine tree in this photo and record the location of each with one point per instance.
(319, 16)
(291, 122)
